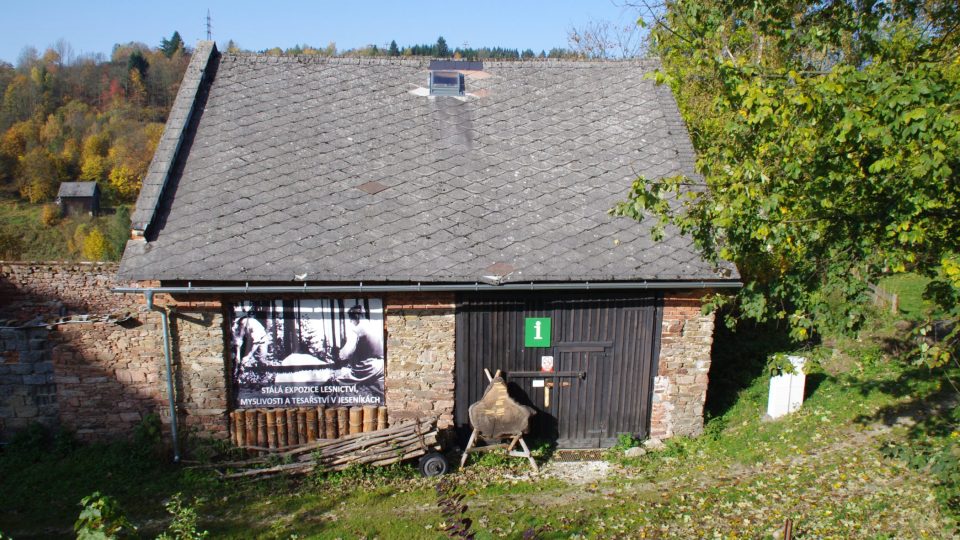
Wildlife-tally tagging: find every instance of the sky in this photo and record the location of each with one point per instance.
(94, 26)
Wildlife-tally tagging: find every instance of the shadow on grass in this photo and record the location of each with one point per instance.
(739, 356)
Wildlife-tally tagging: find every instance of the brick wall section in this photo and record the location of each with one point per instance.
(420, 356)
(680, 388)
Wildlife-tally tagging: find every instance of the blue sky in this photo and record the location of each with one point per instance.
(92, 26)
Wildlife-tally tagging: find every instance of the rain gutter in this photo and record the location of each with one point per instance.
(165, 319)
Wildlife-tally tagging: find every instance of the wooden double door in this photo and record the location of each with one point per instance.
(602, 351)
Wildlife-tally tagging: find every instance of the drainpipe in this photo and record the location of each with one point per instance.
(165, 319)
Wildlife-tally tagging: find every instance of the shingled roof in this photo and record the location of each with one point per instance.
(77, 189)
(343, 169)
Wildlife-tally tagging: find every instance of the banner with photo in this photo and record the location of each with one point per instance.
(298, 353)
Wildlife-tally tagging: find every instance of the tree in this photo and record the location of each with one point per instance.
(39, 176)
(169, 47)
(394, 50)
(442, 50)
(829, 143)
(137, 61)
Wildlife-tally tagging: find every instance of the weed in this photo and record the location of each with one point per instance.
(184, 524)
(102, 519)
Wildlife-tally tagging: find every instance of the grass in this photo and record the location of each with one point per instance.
(23, 235)
(910, 287)
(867, 456)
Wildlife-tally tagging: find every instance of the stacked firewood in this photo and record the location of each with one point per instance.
(382, 447)
(272, 430)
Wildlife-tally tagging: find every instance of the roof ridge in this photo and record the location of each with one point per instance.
(420, 61)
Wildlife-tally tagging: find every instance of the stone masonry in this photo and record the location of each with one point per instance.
(100, 379)
(420, 357)
(680, 387)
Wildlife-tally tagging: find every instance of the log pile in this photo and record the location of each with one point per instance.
(278, 430)
(380, 447)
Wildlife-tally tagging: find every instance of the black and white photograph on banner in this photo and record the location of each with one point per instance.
(293, 353)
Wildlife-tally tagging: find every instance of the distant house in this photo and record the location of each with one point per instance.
(79, 198)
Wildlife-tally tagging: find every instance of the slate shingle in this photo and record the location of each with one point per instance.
(521, 172)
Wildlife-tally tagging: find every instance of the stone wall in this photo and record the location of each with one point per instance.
(680, 387)
(27, 390)
(420, 356)
(100, 379)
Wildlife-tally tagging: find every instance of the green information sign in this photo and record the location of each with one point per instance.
(536, 332)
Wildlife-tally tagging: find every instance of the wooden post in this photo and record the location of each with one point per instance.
(356, 420)
(261, 428)
(251, 417)
(369, 418)
(241, 428)
(311, 424)
(281, 427)
(381, 418)
(330, 423)
(343, 422)
(271, 428)
(292, 437)
(302, 425)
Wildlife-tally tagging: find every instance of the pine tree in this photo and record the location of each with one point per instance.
(442, 49)
(394, 50)
(169, 46)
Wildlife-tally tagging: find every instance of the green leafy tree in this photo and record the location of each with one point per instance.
(828, 136)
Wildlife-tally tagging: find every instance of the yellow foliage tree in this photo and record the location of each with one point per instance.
(125, 182)
(94, 246)
(39, 176)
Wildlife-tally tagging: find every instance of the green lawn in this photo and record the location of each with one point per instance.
(859, 460)
(909, 287)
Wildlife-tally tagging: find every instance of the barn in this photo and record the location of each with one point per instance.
(79, 198)
(354, 231)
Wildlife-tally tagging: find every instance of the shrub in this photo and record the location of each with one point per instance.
(184, 524)
(94, 246)
(102, 518)
(50, 215)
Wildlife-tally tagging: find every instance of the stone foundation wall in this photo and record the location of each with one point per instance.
(95, 378)
(680, 387)
(420, 356)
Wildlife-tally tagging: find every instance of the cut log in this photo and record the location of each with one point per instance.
(330, 423)
(241, 428)
(293, 439)
(381, 418)
(356, 420)
(369, 418)
(271, 428)
(281, 428)
(261, 428)
(343, 422)
(497, 415)
(251, 424)
(311, 425)
(302, 425)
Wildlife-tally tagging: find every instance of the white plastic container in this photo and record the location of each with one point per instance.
(786, 391)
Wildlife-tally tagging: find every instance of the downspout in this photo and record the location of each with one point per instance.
(165, 320)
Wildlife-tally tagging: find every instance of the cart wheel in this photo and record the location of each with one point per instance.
(433, 464)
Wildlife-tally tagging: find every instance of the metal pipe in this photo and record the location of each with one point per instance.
(449, 287)
(165, 323)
